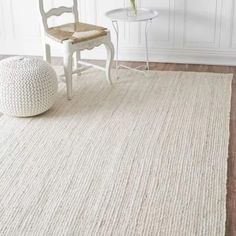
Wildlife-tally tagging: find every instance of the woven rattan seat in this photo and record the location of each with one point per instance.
(77, 32)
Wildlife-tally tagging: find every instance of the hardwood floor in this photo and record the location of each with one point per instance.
(231, 185)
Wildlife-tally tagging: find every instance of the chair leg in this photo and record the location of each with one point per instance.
(67, 63)
(47, 53)
(110, 56)
(76, 59)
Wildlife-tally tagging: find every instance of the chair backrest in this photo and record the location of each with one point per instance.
(57, 12)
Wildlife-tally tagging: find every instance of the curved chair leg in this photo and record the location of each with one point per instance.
(67, 63)
(47, 53)
(110, 56)
(77, 58)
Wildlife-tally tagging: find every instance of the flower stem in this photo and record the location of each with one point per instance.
(133, 5)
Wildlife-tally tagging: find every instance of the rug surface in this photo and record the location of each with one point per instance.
(147, 156)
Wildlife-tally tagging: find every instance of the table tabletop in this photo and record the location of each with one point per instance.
(123, 14)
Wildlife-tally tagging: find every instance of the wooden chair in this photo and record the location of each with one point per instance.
(74, 38)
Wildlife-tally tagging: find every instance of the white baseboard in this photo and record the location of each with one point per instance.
(186, 56)
(183, 56)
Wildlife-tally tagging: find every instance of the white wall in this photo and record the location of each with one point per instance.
(188, 31)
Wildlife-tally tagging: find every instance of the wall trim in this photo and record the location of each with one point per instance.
(189, 56)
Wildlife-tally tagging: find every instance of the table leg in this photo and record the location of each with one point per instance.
(148, 24)
(116, 28)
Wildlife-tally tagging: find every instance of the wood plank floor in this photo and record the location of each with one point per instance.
(231, 185)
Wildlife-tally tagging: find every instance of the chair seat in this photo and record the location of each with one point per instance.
(77, 32)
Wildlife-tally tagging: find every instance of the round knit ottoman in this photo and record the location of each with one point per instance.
(28, 86)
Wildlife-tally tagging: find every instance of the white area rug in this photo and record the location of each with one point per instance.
(147, 156)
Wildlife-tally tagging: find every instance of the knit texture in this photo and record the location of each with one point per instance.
(28, 86)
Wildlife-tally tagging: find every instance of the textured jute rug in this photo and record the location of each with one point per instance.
(147, 156)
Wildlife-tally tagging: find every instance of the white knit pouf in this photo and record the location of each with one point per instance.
(28, 86)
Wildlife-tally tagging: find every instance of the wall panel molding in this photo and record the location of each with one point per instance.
(187, 31)
(233, 25)
(200, 21)
(3, 23)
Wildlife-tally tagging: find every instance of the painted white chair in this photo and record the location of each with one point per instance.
(74, 38)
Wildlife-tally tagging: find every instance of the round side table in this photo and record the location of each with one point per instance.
(123, 15)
